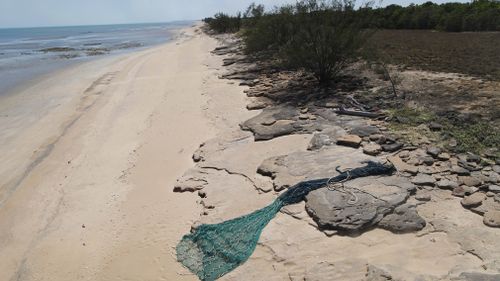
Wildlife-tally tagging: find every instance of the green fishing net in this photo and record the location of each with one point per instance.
(213, 250)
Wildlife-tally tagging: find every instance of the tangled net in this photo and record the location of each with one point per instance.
(213, 250)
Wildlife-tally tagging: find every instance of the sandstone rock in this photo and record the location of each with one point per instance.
(494, 188)
(337, 210)
(496, 168)
(349, 140)
(256, 105)
(459, 171)
(189, 184)
(404, 154)
(372, 149)
(325, 138)
(402, 166)
(492, 218)
(376, 274)
(404, 219)
(303, 116)
(365, 131)
(427, 170)
(392, 147)
(427, 160)
(447, 184)
(433, 151)
(469, 181)
(473, 200)
(423, 179)
(423, 197)
(444, 156)
(473, 158)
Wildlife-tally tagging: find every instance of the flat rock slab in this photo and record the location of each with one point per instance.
(361, 204)
(287, 170)
(278, 121)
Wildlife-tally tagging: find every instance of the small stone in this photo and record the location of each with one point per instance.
(492, 218)
(423, 197)
(304, 110)
(435, 126)
(404, 154)
(433, 151)
(427, 160)
(202, 193)
(376, 137)
(423, 179)
(372, 149)
(494, 188)
(447, 184)
(459, 170)
(303, 116)
(392, 147)
(496, 169)
(473, 200)
(349, 140)
(444, 156)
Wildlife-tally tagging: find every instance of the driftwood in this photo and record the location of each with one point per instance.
(344, 111)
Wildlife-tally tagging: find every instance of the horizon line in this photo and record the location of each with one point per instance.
(103, 24)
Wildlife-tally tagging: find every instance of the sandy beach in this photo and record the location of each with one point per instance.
(89, 158)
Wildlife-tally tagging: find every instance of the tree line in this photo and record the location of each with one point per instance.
(323, 36)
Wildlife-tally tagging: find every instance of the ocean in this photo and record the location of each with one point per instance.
(26, 53)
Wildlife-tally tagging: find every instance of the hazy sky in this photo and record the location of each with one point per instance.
(22, 13)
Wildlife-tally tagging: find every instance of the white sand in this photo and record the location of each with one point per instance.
(89, 158)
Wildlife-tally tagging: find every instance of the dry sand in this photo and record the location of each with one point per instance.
(89, 158)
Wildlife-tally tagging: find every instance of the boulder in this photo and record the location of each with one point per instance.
(367, 202)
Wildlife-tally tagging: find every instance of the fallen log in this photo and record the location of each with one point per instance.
(343, 111)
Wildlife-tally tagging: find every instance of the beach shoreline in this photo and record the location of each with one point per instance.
(88, 163)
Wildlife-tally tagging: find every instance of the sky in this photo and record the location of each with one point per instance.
(30, 13)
